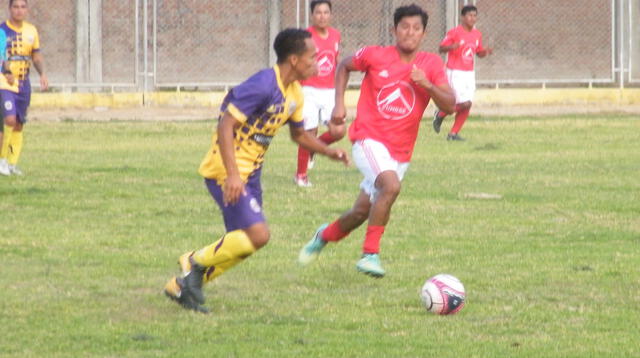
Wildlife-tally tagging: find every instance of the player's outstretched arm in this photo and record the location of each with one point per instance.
(233, 186)
(313, 144)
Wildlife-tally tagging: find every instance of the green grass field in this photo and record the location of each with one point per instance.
(91, 234)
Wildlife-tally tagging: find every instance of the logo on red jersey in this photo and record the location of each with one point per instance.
(396, 100)
(326, 62)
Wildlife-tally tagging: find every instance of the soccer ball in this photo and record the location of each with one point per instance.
(443, 294)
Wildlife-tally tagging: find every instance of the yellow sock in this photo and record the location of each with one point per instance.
(8, 133)
(15, 147)
(223, 254)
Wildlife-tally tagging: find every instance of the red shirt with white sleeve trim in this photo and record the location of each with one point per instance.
(328, 49)
(470, 42)
(391, 105)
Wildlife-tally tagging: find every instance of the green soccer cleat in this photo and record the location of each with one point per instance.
(370, 264)
(312, 249)
(174, 290)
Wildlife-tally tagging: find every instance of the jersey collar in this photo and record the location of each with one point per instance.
(276, 69)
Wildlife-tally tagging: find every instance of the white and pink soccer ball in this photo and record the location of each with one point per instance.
(443, 294)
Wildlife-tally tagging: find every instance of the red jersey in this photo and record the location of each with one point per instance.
(470, 42)
(391, 105)
(327, 58)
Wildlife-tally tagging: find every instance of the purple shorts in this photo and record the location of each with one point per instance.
(16, 104)
(247, 211)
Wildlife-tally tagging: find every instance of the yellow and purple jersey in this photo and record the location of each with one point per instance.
(262, 105)
(20, 45)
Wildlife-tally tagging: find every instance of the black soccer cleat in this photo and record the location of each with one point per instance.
(174, 290)
(192, 282)
(437, 121)
(455, 137)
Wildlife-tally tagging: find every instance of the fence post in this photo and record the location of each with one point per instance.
(82, 40)
(451, 13)
(95, 41)
(274, 28)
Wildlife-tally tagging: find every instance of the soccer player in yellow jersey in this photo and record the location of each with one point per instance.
(251, 114)
(23, 47)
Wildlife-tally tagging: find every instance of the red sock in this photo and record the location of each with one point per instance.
(461, 117)
(303, 161)
(372, 239)
(442, 114)
(327, 138)
(333, 232)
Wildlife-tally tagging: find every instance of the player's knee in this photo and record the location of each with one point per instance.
(392, 189)
(465, 105)
(10, 121)
(389, 185)
(259, 238)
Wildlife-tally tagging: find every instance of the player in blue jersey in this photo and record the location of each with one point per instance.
(251, 114)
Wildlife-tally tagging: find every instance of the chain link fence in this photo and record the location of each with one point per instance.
(204, 44)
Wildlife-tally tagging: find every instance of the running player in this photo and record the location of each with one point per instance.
(251, 114)
(399, 81)
(23, 47)
(319, 91)
(461, 44)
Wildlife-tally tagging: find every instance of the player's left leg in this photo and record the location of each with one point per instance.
(383, 190)
(16, 141)
(9, 121)
(462, 113)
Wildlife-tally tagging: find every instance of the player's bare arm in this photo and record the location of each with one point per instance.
(313, 144)
(485, 52)
(447, 48)
(339, 114)
(38, 63)
(233, 185)
(442, 95)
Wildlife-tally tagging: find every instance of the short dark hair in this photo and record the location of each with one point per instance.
(410, 10)
(12, 1)
(467, 9)
(290, 42)
(315, 3)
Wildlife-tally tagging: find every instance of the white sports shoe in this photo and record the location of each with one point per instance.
(302, 181)
(4, 167)
(15, 170)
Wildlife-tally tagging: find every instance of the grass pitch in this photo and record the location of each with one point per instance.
(539, 218)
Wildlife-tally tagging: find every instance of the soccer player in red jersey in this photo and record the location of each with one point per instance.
(461, 44)
(319, 90)
(399, 81)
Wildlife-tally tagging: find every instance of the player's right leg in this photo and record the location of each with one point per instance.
(337, 230)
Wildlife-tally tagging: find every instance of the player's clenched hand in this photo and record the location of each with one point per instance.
(338, 114)
(232, 189)
(418, 76)
(338, 154)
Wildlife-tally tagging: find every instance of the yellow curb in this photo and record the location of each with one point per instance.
(490, 97)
